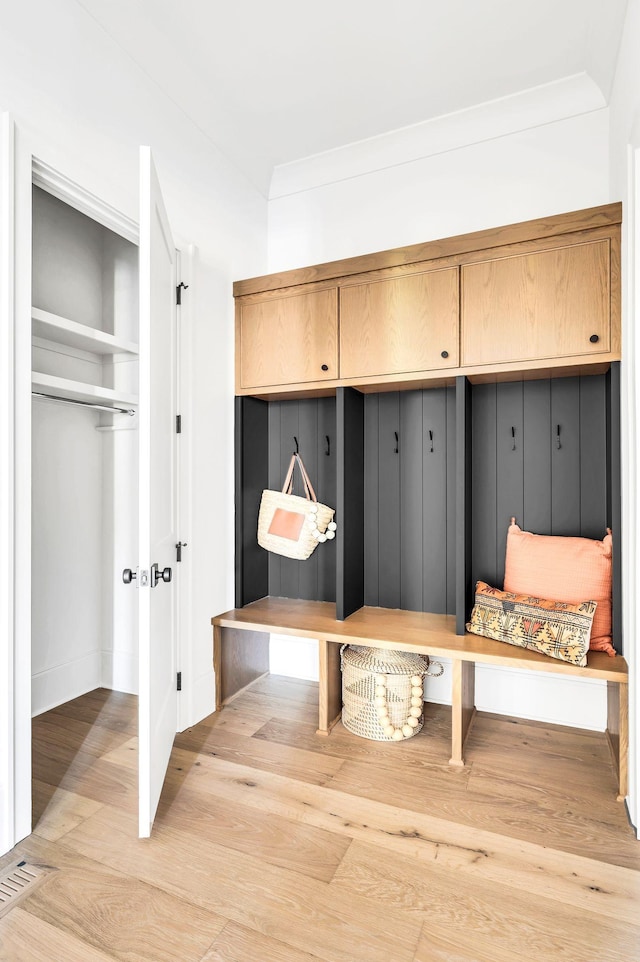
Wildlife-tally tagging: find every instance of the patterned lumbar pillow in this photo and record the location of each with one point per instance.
(555, 628)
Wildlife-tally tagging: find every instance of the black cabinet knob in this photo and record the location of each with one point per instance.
(325, 367)
(444, 354)
(594, 338)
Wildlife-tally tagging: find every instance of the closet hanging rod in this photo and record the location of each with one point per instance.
(85, 404)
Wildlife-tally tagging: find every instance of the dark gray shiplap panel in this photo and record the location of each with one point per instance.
(371, 497)
(484, 483)
(308, 443)
(326, 492)
(614, 506)
(536, 513)
(411, 498)
(251, 477)
(434, 497)
(350, 502)
(289, 428)
(464, 485)
(565, 460)
(275, 483)
(389, 501)
(593, 460)
(509, 466)
(451, 500)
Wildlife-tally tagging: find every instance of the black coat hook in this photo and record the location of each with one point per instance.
(558, 436)
(327, 450)
(396, 449)
(295, 441)
(513, 438)
(431, 440)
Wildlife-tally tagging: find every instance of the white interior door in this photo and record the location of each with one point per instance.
(158, 708)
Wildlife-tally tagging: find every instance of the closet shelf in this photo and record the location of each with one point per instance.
(64, 331)
(79, 391)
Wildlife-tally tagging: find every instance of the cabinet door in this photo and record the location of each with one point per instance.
(289, 340)
(399, 325)
(547, 304)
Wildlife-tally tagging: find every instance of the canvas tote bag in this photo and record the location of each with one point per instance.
(290, 525)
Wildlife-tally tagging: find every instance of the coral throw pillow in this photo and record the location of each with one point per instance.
(563, 569)
(553, 628)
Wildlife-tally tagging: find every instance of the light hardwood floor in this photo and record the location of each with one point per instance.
(273, 844)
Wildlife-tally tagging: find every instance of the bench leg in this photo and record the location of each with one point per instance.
(330, 687)
(462, 707)
(618, 732)
(217, 664)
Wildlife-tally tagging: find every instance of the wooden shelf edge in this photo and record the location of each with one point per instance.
(420, 632)
(583, 365)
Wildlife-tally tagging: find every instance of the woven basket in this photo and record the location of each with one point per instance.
(360, 666)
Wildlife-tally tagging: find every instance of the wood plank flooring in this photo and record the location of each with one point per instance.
(276, 845)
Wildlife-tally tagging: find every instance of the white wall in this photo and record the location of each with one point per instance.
(499, 164)
(540, 153)
(625, 186)
(84, 108)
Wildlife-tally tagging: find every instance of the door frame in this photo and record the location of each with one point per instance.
(20, 169)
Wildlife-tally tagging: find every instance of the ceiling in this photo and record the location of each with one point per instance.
(273, 82)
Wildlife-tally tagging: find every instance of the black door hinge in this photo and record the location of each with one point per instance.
(179, 682)
(180, 545)
(178, 424)
(179, 289)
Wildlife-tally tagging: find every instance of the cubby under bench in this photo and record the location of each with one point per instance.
(427, 634)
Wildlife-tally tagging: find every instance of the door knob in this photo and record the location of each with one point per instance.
(128, 576)
(159, 574)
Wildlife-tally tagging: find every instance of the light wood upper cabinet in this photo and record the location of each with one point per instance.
(399, 325)
(547, 304)
(289, 339)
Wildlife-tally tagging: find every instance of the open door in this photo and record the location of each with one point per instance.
(158, 709)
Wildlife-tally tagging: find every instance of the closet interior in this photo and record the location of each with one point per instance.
(84, 454)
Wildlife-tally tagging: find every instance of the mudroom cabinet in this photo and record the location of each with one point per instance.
(478, 380)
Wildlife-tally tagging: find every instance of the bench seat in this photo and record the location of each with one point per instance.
(427, 634)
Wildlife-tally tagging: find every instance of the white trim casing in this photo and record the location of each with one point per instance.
(7, 492)
(189, 700)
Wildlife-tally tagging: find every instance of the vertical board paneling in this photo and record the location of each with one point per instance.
(308, 443)
(536, 511)
(451, 500)
(434, 500)
(388, 519)
(483, 499)
(411, 501)
(593, 465)
(308, 420)
(509, 465)
(326, 492)
(565, 459)
(275, 483)
(350, 502)
(371, 499)
(289, 428)
(251, 477)
(614, 506)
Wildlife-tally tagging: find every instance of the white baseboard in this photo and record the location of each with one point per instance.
(293, 657)
(120, 671)
(60, 684)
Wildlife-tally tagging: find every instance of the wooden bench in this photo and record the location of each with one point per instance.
(427, 634)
